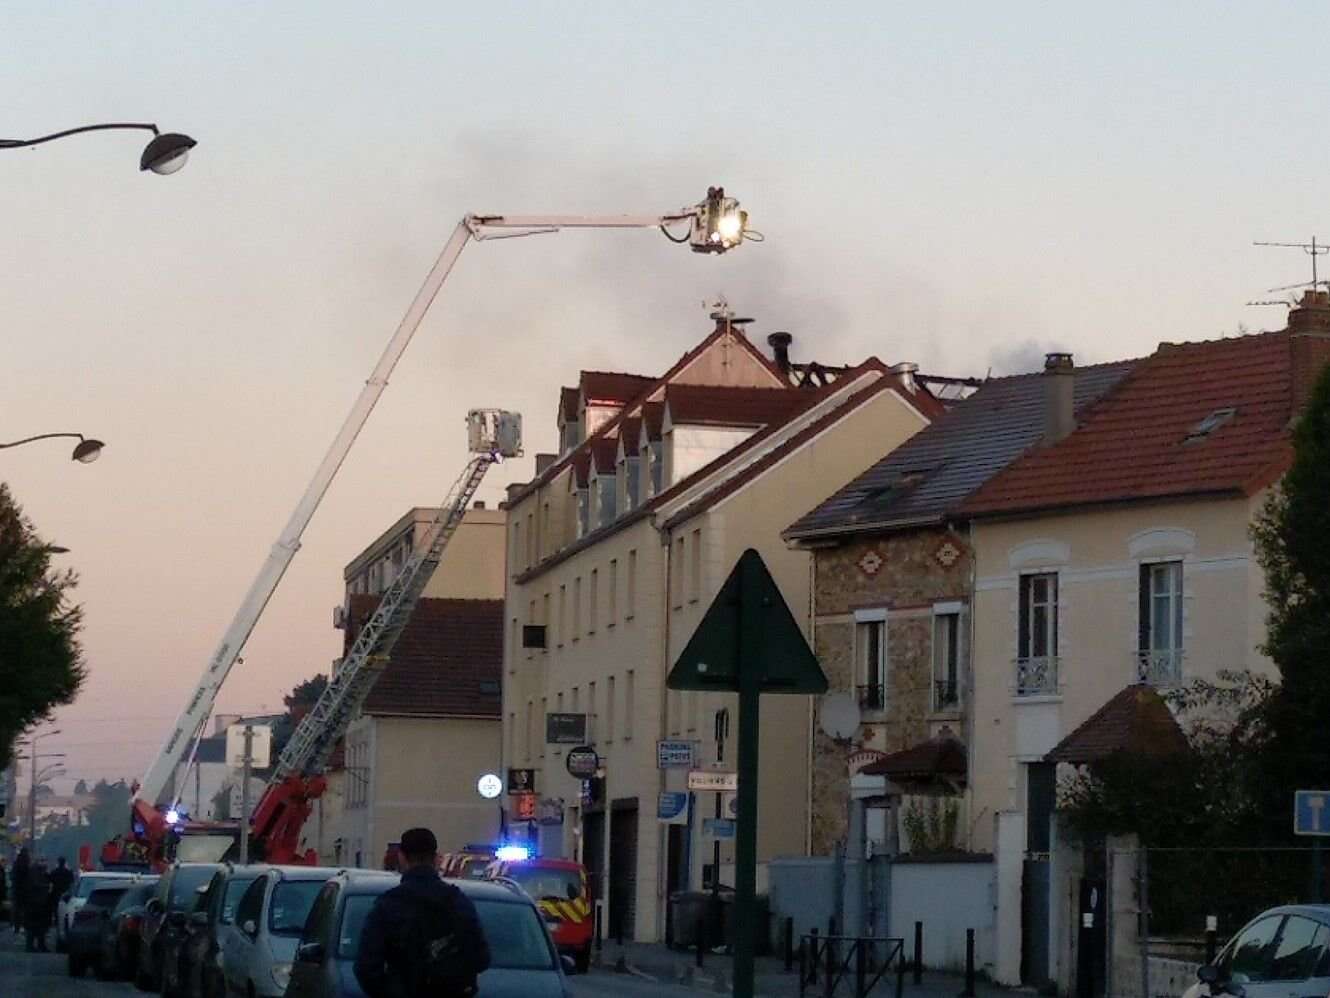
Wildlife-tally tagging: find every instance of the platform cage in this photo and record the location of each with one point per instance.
(494, 431)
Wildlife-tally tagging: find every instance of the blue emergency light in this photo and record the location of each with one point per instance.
(512, 854)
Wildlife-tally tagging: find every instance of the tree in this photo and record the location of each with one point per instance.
(81, 787)
(1291, 544)
(40, 655)
(298, 702)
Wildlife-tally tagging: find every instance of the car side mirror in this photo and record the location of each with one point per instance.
(249, 928)
(310, 953)
(569, 964)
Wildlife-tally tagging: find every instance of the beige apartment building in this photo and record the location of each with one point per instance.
(616, 548)
(437, 700)
(1108, 565)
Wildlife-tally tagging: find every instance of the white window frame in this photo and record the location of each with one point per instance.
(864, 620)
(953, 610)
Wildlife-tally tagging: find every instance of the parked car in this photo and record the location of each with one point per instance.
(164, 917)
(74, 899)
(256, 959)
(84, 936)
(119, 944)
(524, 962)
(1281, 952)
(197, 970)
(559, 888)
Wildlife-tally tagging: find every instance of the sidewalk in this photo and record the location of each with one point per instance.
(655, 961)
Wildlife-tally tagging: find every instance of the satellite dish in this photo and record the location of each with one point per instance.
(839, 717)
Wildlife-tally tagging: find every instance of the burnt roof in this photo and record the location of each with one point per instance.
(928, 477)
(613, 386)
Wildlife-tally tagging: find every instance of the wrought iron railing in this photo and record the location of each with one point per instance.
(1159, 667)
(946, 694)
(859, 963)
(1037, 676)
(872, 696)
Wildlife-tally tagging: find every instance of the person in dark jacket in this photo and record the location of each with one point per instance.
(22, 866)
(62, 879)
(392, 962)
(37, 907)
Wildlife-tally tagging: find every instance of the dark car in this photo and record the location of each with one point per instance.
(196, 971)
(119, 948)
(523, 960)
(165, 917)
(84, 937)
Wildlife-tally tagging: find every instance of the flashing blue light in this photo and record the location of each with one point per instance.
(512, 854)
(173, 817)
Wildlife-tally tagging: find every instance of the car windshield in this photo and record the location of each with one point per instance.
(516, 938)
(354, 913)
(291, 901)
(185, 885)
(543, 883)
(235, 888)
(136, 896)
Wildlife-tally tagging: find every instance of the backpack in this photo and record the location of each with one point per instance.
(438, 960)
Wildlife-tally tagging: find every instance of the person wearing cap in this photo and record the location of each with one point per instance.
(420, 916)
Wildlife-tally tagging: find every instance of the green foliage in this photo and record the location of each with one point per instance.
(105, 820)
(301, 698)
(40, 657)
(930, 824)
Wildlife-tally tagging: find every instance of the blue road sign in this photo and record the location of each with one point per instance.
(672, 808)
(674, 755)
(1311, 812)
(718, 828)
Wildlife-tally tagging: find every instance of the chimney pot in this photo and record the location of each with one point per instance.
(780, 350)
(905, 371)
(478, 504)
(1059, 397)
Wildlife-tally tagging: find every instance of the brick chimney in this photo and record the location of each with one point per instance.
(1308, 344)
(780, 350)
(1059, 397)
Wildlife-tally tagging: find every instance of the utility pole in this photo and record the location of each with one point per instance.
(722, 732)
(247, 761)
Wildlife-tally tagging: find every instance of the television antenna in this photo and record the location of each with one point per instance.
(1313, 249)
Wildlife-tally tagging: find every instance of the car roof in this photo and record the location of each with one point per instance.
(488, 890)
(1318, 912)
(546, 863)
(306, 872)
(107, 875)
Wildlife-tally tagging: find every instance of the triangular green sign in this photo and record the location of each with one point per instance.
(712, 659)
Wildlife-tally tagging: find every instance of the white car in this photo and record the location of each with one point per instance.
(257, 957)
(1280, 953)
(78, 897)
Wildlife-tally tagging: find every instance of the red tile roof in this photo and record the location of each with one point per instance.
(448, 661)
(1135, 721)
(613, 386)
(727, 406)
(938, 758)
(1139, 441)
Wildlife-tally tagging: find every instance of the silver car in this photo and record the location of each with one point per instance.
(1280, 953)
(523, 960)
(77, 897)
(256, 958)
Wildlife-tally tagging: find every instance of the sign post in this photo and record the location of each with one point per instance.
(748, 643)
(1311, 817)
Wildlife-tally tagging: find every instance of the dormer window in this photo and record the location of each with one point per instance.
(571, 435)
(583, 512)
(656, 459)
(605, 488)
(629, 475)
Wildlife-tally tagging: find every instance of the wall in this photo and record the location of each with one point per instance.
(472, 567)
(948, 898)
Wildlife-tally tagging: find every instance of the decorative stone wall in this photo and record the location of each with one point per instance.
(906, 573)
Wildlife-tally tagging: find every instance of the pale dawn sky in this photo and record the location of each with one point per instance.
(961, 185)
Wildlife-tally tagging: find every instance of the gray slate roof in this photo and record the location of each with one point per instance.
(929, 475)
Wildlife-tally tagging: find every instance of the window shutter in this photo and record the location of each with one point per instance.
(1143, 626)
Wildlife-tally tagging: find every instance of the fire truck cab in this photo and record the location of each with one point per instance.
(559, 888)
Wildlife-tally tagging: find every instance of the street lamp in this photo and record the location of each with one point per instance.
(86, 450)
(164, 154)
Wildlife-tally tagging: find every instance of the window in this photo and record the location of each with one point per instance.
(595, 601)
(605, 496)
(1037, 645)
(870, 652)
(695, 569)
(657, 469)
(1250, 953)
(591, 712)
(629, 699)
(290, 905)
(563, 613)
(946, 657)
(251, 905)
(631, 607)
(1301, 945)
(633, 484)
(515, 936)
(1040, 800)
(609, 710)
(676, 575)
(583, 512)
(614, 592)
(577, 608)
(1159, 654)
(317, 929)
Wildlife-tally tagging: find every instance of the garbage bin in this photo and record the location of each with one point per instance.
(688, 908)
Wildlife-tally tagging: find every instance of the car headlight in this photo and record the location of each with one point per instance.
(281, 974)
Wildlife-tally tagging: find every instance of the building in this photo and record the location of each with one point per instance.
(437, 700)
(1110, 563)
(616, 548)
(892, 599)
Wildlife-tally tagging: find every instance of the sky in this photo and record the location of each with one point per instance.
(964, 186)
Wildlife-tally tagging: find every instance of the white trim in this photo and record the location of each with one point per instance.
(951, 606)
(1161, 541)
(870, 614)
(1042, 552)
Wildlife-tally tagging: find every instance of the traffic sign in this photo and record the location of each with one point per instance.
(718, 828)
(675, 755)
(710, 779)
(1311, 812)
(672, 808)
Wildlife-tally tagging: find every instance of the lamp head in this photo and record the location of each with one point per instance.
(718, 224)
(88, 450)
(166, 153)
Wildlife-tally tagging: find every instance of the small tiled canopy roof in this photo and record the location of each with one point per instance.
(938, 759)
(1135, 721)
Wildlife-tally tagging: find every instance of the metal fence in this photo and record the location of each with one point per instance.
(853, 965)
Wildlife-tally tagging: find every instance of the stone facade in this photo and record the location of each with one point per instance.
(906, 576)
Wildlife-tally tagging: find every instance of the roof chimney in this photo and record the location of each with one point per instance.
(478, 504)
(1059, 397)
(780, 350)
(1308, 344)
(905, 372)
(543, 461)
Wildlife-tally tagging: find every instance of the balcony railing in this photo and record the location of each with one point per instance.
(946, 694)
(873, 696)
(1159, 667)
(1037, 677)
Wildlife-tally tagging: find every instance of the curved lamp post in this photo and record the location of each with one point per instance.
(86, 451)
(165, 153)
